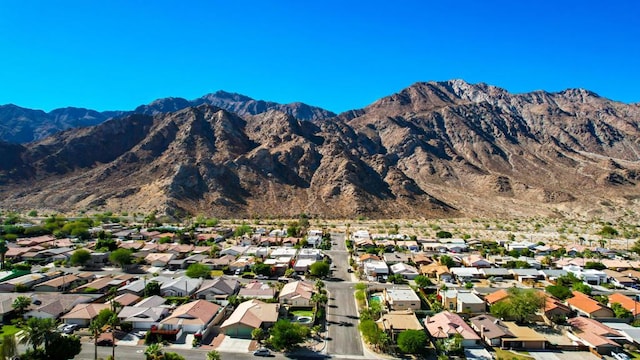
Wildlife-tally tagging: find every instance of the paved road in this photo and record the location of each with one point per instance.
(341, 311)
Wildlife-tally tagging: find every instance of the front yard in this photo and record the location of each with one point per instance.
(510, 355)
(8, 330)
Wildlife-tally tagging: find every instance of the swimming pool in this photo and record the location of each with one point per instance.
(375, 297)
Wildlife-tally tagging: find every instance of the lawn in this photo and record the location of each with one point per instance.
(510, 355)
(216, 273)
(308, 313)
(8, 330)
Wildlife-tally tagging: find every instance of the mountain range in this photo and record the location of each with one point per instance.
(435, 149)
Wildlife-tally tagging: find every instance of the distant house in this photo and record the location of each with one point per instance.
(59, 284)
(103, 284)
(181, 286)
(220, 287)
(595, 335)
(475, 260)
(491, 329)
(234, 250)
(407, 271)
(401, 299)
(395, 322)
(159, 260)
(297, 294)
(52, 306)
(626, 302)
(589, 307)
(435, 270)
(257, 290)
(446, 324)
(462, 301)
(248, 316)
(82, 314)
(198, 316)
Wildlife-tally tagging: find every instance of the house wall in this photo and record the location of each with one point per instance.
(468, 343)
(472, 308)
(602, 313)
(39, 315)
(238, 331)
(81, 322)
(296, 302)
(405, 304)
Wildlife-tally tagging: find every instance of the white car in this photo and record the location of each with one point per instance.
(620, 356)
(262, 352)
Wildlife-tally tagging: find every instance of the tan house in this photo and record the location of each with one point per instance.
(401, 299)
(589, 307)
(248, 316)
(195, 317)
(297, 294)
(82, 314)
(395, 322)
(437, 271)
(159, 259)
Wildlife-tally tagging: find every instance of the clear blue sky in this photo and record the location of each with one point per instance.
(337, 54)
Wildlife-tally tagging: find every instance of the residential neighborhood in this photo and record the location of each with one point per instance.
(233, 289)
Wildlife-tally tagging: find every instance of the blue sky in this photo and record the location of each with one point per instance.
(337, 54)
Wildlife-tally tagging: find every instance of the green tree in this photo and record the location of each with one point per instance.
(262, 269)
(95, 327)
(38, 332)
(198, 270)
(20, 304)
(608, 231)
(285, 334)
(154, 352)
(412, 341)
(63, 347)
(561, 292)
(121, 257)
(521, 305)
(582, 287)
(372, 334)
(80, 257)
(3, 251)
(9, 347)
(422, 281)
(361, 286)
(444, 235)
(595, 265)
(447, 261)
(213, 355)
(258, 334)
(152, 288)
(620, 311)
(242, 229)
(319, 269)
(172, 356)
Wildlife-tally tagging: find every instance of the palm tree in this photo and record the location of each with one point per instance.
(9, 347)
(3, 251)
(20, 304)
(213, 355)
(113, 322)
(95, 328)
(38, 332)
(153, 351)
(320, 285)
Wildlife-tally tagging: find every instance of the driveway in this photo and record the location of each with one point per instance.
(234, 345)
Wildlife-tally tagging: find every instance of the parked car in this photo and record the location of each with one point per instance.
(104, 342)
(70, 328)
(262, 277)
(262, 352)
(620, 356)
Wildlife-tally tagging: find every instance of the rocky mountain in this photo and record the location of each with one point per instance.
(21, 125)
(434, 149)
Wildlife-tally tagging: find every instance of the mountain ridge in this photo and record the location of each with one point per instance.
(436, 149)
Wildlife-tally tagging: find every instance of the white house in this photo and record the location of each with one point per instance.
(407, 271)
(376, 269)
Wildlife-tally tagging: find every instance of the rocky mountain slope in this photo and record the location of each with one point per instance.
(21, 125)
(434, 149)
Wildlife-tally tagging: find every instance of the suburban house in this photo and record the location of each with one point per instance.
(159, 260)
(218, 288)
(475, 260)
(82, 314)
(407, 271)
(248, 316)
(234, 250)
(257, 290)
(103, 284)
(446, 324)
(143, 317)
(376, 269)
(297, 294)
(554, 308)
(437, 271)
(196, 317)
(395, 322)
(397, 257)
(590, 276)
(401, 299)
(524, 337)
(137, 287)
(52, 306)
(626, 302)
(181, 286)
(589, 307)
(462, 301)
(491, 330)
(60, 284)
(595, 335)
